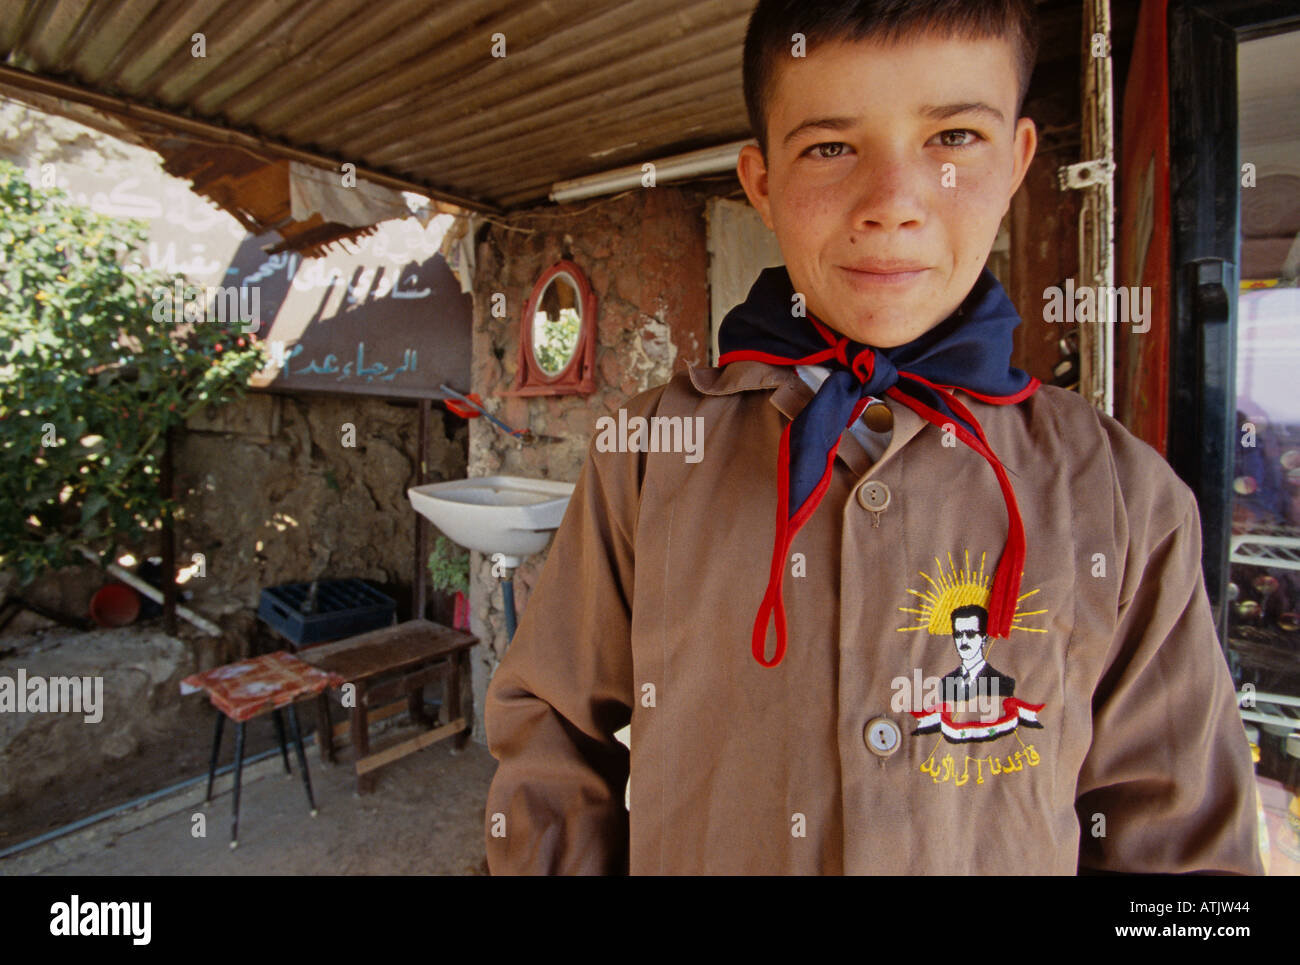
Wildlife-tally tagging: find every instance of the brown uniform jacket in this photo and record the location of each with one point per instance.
(644, 609)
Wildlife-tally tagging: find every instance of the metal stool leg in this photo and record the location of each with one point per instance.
(302, 755)
(284, 747)
(216, 750)
(239, 769)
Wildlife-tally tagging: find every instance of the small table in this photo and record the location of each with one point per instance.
(386, 665)
(251, 688)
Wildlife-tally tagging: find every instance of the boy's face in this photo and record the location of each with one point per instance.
(856, 184)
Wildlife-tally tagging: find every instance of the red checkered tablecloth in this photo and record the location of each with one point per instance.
(255, 686)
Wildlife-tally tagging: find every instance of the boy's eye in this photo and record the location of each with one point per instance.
(972, 137)
(828, 149)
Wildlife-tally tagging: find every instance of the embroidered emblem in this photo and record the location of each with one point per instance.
(975, 702)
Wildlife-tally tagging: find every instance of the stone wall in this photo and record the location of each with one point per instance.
(297, 504)
(270, 494)
(646, 257)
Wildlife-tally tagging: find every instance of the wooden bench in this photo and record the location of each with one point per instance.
(389, 669)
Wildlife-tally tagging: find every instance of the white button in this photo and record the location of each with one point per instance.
(882, 736)
(873, 496)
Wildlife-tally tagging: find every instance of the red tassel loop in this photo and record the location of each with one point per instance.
(772, 596)
(773, 603)
(1011, 565)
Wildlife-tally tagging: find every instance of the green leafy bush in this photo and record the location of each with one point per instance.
(90, 382)
(448, 566)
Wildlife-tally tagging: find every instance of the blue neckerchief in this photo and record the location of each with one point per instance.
(970, 350)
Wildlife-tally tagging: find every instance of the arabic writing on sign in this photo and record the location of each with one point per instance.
(350, 370)
(315, 274)
(165, 260)
(178, 205)
(945, 769)
(287, 260)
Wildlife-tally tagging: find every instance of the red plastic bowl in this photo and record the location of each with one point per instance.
(114, 605)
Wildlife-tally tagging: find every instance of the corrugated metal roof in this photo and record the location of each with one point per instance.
(411, 88)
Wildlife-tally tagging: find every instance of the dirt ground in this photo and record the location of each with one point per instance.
(145, 771)
(425, 816)
(164, 756)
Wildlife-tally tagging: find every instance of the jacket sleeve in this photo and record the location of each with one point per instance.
(1168, 784)
(564, 687)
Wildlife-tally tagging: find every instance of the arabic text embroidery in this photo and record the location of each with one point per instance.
(946, 769)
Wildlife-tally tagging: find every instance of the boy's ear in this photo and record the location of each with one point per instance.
(751, 169)
(1026, 144)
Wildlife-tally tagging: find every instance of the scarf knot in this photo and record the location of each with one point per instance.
(970, 349)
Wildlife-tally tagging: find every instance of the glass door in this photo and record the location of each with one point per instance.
(1235, 362)
(1263, 590)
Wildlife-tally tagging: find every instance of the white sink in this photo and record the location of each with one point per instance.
(510, 515)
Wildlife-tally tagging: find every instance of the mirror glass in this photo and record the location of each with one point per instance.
(556, 323)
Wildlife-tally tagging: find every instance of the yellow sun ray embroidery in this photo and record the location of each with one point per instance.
(955, 588)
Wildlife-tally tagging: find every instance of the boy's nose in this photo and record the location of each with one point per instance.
(888, 194)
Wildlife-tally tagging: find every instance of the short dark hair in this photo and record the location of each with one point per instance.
(773, 22)
(971, 610)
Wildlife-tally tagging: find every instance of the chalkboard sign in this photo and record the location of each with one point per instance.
(386, 317)
(361, 323)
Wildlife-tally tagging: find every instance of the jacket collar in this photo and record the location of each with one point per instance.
(792, 394)
(739, 377)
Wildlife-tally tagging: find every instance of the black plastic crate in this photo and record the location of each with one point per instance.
(343, 608)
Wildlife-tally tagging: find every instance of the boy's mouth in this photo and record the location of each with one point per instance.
(871, 276)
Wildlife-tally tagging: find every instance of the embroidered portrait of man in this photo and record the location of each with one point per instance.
(974, 676)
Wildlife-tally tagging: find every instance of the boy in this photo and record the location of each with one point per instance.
(777, 619)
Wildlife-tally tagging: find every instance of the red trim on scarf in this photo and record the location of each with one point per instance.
(869, 358)
(1030, 388)
(753, 355)
(831, 336)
